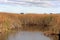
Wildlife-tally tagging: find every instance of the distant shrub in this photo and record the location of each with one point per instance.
(21, 13)
(51, 13)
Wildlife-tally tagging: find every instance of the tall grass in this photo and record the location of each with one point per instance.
(39, 22)
(43, 22)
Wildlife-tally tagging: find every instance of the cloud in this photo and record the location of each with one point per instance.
(49, 0)
(38, 3)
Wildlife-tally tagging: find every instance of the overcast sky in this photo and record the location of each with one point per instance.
(30, 6)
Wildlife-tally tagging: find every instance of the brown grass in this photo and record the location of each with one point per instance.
(47, 23)
(43, 21)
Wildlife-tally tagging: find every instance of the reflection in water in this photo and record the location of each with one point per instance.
(3, 36)
(24, 35)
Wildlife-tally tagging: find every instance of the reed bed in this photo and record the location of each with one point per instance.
(40, 22)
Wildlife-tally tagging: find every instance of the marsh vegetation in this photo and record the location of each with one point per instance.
(47, 23)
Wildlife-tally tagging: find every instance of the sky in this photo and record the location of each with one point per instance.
(30, 6)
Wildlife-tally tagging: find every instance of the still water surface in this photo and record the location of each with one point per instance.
(24, 35)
